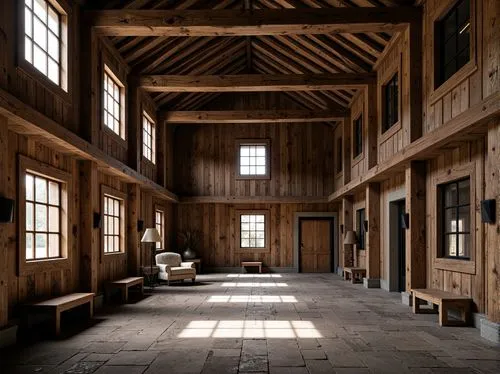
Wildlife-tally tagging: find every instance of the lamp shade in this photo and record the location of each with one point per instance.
(151, 236)
(350, 238)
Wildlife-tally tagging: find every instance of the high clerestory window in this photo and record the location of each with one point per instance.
(390, 103)
(253, 159)
(113, 103)
(357, 136)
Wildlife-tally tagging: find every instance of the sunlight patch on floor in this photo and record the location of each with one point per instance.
(252, 299)
(254, 276)
(251, 329)
(253, 284)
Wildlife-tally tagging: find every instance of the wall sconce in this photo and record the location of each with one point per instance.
(342, 229)
(488, 211)
(405, 220)
(365, 225)
(96, 222)
(140, 225)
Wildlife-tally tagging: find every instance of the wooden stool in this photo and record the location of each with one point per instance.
(251, 263)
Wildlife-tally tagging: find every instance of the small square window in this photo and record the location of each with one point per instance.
(390, 103)
(453, 41)
(253, 159)
(252, 231)
(358, 136)
(148, 138)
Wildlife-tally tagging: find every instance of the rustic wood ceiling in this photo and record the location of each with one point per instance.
(286, 54)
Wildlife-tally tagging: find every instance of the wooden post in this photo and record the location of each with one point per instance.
(4, 237)
(372, 244)
(348, 254)
(372, 124)
(90, 236)
(133, 235)
(134, 125)
(415, 235)
(492, 242)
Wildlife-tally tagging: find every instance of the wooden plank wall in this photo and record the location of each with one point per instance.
(301, 155)
(457, 281)
(219, 224)
(40, 283)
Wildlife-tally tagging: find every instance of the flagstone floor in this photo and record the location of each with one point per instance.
(269, 323)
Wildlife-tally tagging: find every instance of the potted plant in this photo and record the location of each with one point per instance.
(189, 240)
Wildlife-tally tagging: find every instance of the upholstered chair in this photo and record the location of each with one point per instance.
(172, 267)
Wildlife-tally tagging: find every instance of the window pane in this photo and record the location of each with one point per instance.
(464, 192)
(244, 151)
(261, 170)
(53, 21)
(54, 245)
(29, 3)
(244, 170)
(40, 34)
(464, 245)
(41, 217)
(53, 219)
(40, 246)
(40, 60)
(53, 193)
(29, 216)
(450, 195)
(464, 219)
(116, 226)
(260, 243)
(53, 47)
(450, 245)
(117, 208)
(28, 28)
(30, 253)
(450, 219)
(261, 151)
(117, 243)
(28, 50)
(29, 187)
(259, 218)
(40, 190)
(245, 243)
(41, 9)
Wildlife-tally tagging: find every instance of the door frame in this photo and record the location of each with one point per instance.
(332, 216)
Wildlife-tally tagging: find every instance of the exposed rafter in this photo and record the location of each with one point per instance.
(126, 22)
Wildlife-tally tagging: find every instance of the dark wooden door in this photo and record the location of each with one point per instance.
(315, 246)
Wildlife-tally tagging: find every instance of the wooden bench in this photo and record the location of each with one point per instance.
(124, 284)
(60, 304)
(251, 263)
(444, 301)
(354, 274)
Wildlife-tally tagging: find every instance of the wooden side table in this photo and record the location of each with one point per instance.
(197, 263)
(150, 275)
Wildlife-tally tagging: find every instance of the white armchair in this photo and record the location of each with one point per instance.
(172, 267)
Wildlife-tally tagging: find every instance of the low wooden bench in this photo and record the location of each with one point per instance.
(251, 263)
(60, 304)
(354, 274)
(444, 301)
(124, 284)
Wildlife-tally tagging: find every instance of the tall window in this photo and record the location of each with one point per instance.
(113, 103)
(360, 229)
(43, 218)
(455, 211)
(43, 39)
(113, 225)
(148, 138)
(252, 231)
(358, 136)
(390, 106)
(253, 159)
(339, 155)
(160, 226)
(453, 36)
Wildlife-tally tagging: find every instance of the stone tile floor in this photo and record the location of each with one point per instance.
(278, 323)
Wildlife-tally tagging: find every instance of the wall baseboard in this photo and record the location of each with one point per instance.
(233, 269)
(371, 283)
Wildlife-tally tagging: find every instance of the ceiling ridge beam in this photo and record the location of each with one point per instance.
(125, 22)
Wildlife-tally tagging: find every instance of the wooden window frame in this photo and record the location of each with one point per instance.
(239, 249)
(264, 142)
(122, 136)
(146, 117)
(465, 71)
(357, 157)
(445, 263)
(360, 228)
(160, 209)
(106, 190)
(67, 209)
(384, 98)
(64, 89)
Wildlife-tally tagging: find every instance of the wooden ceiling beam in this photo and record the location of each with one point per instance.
(125, 22)
(253, 116)
(254, 82)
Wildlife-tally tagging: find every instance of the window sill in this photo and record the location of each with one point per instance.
(253, 177)
(114, 135)
(114, 256)
(28, 267)
(383, 136)
(463, 73)
(252, 250)
(356, 160)
(456, 265)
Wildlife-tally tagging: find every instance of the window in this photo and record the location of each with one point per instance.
(339, 155)
(453, 35)
(113, 225)
(252, 231)
(160, 226)
(113, 103)
(360, 228)
(455, 211)
(43, 217)
(358, 136)
(390, 107)
(148, 138)
(253, 159)
(44, 39)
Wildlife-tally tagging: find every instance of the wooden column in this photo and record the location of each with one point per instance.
(372, 244)
(4, 238)
(347, 219)
(492, 243)
(133, 236)
(415, 235)
(346, 139)
(371, 122)
(89, 236)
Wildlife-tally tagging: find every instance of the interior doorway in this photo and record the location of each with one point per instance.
(397, 239)
(316, 244)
